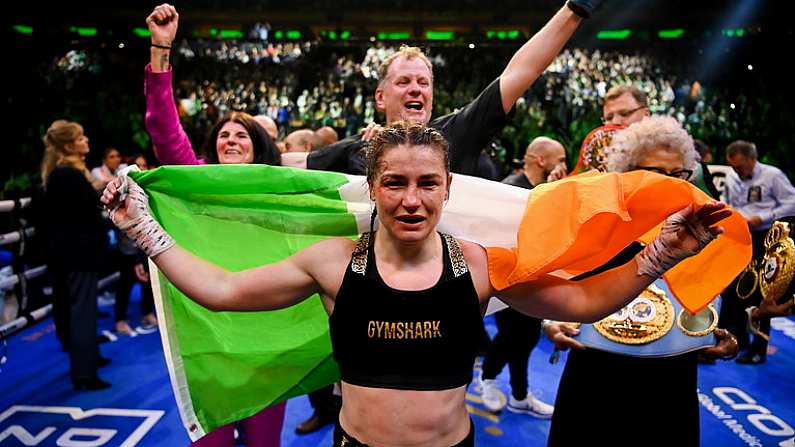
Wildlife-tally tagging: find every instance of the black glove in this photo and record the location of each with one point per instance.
(584, 8)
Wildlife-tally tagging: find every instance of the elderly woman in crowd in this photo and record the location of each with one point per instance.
(623, 397)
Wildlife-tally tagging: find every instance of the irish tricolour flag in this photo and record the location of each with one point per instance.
(225, 366)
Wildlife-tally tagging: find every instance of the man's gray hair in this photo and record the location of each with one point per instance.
(742, 147)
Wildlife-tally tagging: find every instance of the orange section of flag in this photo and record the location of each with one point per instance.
(581, 222)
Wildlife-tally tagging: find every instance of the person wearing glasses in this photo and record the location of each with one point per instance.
(607, 383)
(624, 105)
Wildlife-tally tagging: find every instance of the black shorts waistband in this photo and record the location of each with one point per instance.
(342, 439)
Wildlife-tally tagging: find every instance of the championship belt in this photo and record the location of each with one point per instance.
(778, 264)
(592, 152)
(653, 325)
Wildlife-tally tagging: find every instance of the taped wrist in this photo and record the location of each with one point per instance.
(140, 226)
(659, 256)
(148, 235)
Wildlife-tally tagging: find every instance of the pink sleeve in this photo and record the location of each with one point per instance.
(171, 144)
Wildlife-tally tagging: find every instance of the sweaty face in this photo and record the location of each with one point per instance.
(234, 145)
(407, 91)
(410, 190)
(623, 111)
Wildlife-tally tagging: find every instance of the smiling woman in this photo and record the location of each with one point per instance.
(236, 138)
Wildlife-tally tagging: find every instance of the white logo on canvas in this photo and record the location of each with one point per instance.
(99, 436)
(759, 416)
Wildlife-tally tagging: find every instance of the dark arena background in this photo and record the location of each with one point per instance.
(722, 68)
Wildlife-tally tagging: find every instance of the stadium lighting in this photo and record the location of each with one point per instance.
(614, 34)
(334, 34)
(394, 35)
(22, 29)
(733, 32)
(503, 34)
(142, 32)
(750, 67)
(230, 34)
(83, 31)
(670, 33)
(439, 35)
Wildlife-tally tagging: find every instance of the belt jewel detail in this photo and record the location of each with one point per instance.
(700, 324)
(778, 265)
(647, 318)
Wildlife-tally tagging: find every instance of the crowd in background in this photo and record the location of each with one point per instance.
(310, 84)
(307, 86)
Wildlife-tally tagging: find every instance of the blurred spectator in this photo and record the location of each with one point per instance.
(326, 135)
(76, 243)
(111, 163)
(129, 259)
(517, 333)
(762, 194)
(269, 125)
(140, 161)
(704, 151)
(303, 140)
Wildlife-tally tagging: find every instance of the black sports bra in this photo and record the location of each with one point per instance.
(417, 340)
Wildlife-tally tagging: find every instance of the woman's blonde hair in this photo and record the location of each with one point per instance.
(60, 134)
(654, 132)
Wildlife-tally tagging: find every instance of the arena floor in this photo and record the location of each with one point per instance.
(741, 405)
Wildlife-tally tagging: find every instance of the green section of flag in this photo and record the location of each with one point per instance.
(240, 217)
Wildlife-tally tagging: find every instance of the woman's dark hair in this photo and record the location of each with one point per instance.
(108, 151)
(265, 150)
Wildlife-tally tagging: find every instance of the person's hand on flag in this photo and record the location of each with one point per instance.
(684, 234)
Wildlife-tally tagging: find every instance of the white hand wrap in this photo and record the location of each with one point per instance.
(659, 256)
(138, 222)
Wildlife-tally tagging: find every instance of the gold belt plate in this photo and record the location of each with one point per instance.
(647, 318)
